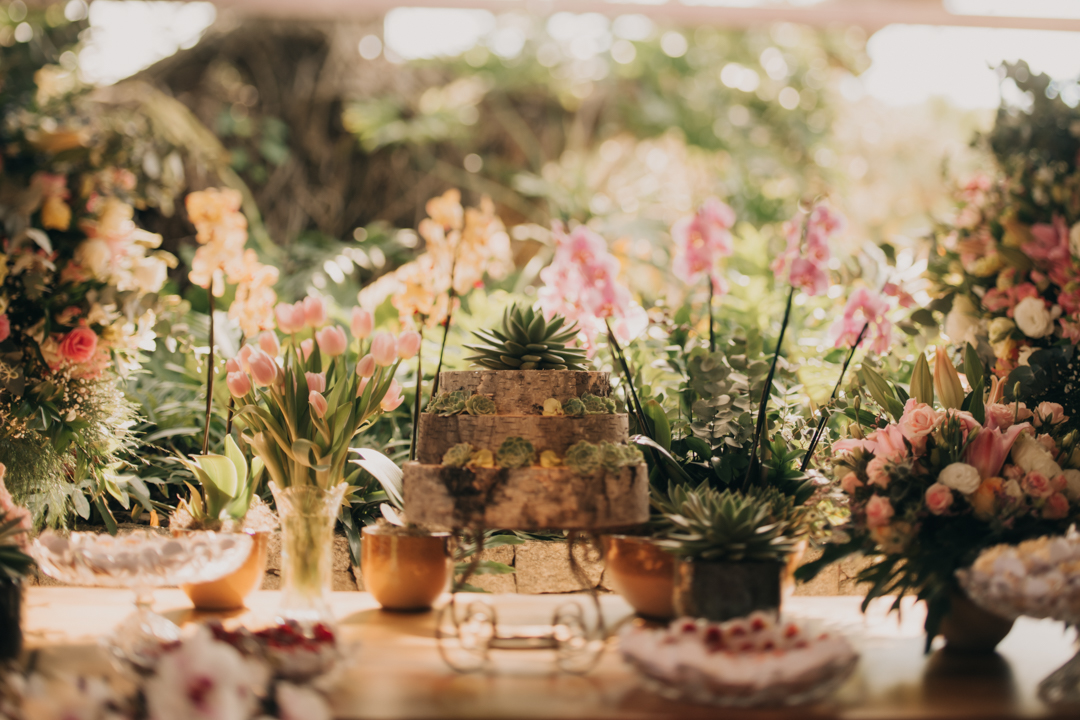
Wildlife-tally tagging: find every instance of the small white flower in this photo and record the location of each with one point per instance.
(1072, 484)
(960, 477)
(1000, 329)
(962, 323)
(94, 256)
(1033, 318)
(1031, 456)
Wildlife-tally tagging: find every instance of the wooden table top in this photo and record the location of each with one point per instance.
(395, 672)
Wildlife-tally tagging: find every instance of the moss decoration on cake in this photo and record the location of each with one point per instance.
(525, 341)
(585, 458)
(480, 405)
(596, 405)
(515, 452)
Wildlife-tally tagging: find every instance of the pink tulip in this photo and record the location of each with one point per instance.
(393, 397)
(239, 383)
(316, 381)
(408, 344)
(244, 357)
(362, 386)
(289, 320)
(362, 323)
(384, 349)
(366, 367)
(233, 365)
(263, 368)
(317, 402)
(332, 341)
(988, 449)
(306, 347)
(269, 343)
(314, 311)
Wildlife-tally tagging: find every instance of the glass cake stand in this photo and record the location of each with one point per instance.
(140, 560)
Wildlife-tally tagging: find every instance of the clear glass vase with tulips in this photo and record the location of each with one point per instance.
(301, 403)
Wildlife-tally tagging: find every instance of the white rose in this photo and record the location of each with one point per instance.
(1031, 456)
(962, 322)
(1000, 328)
(149, 274)
(1033, 318)
(1013, 489)
(960, 477)
(94, 256)
(1072, 484)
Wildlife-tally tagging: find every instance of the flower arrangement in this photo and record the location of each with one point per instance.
(14, 524)
(931, 485)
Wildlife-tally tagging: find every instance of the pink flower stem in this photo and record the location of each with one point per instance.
(209, 376)
(836, 391)
(760, 429)
(419, 392)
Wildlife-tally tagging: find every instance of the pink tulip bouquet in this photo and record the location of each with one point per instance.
(303, 400)
(931, 485)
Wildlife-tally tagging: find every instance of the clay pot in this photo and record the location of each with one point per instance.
(231, 591)
(405, 571)
(11, 601)
(967, 628)
(721, 591)
(642, 572)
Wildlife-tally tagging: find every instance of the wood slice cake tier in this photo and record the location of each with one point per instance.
(532, 498)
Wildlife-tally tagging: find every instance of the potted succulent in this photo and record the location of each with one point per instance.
(14, 564)
(732, 548)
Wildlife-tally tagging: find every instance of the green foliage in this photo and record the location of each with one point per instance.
(515, 452)
(596, 405)
(458, 455)
(583, 458)
(574, 407)
(480, 405)
(14, 563)
(449, 403)
(526, 341)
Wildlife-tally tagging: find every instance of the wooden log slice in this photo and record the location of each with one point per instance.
(438, 434)
(523, 392)
(446, 498)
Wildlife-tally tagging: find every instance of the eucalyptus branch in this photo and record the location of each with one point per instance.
(763, 406)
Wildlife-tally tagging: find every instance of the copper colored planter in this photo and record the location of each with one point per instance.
(405, 572)
(231, 591)
(642, 572)
(967, 628)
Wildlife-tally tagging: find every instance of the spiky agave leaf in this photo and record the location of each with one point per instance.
(526, 341)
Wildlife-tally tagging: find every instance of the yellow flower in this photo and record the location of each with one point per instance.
(549, 459)
(984, 499)
(55, 214)
(482, 459)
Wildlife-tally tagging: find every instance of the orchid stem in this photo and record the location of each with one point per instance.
(209, 375)
(446, 327)
(836, 391)
(419, 392)
(712, 329)
(760, 429)
(621, 360)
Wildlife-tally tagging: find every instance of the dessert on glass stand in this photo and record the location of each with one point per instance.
(528, 441)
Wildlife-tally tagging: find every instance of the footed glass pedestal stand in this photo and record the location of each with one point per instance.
(468, 632)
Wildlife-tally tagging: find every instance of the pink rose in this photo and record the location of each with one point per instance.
(879, 511)
(332, 341)
(1056, 507)
(5, 327)
(362, 323)
(393, 397)
(1003, 416)
(850, 483)
(938, 498)
(366, 367)
(1049, 413)
(408, 344)
(917, 422)
(1048, 442)
(317, 402)
(263, 368)
(314, 311)
(966, 419)
(888, 442)
(269, 343)
(316, 381)
(1037, 485)
(79, 345)
(876, 473)
(307, 347)
(290, 319)
(239, 383)
(384, 349)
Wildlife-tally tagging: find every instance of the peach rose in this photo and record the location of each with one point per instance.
(850, 483)
(1003, 416)
(917, 422)
(876, 473)
(938, 498)
(1056, 507)
(1037, 485)
(879, 511)
(79, 345)
(1049, 413)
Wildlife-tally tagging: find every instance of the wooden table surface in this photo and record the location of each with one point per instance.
(395, 672)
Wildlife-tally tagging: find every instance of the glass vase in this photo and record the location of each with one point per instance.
(307, 514)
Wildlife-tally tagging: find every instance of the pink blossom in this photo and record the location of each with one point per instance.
(315, 381)
(917, 422)
(888, 442)
(244, 357)
(290, 318)
(269, 343)
(807, 269)
(239, 383)
(314, 311)
(5, 327)
(362, 386)
(384, 349)
(317, 402)
(361, 323)
(938, 498)
(1056, 507)
(701, 240)
(79, 345)
(1037, 485)
(393, 397)
(332, 341)
(967, 421)
(990, 447)
(864, 307)
(850, 483)
(233, 365)
(1049, 413)
(878, 511)
(876, 472)
(1049, 245)
(408, 344)
(809, 276)
(307, 347)
(366, 367)
(1048, 442)
(263, 368)
(1003, 416)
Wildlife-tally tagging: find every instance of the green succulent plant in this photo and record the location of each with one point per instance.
(480, 405)
(574, 407)
(703, 523)
(596, 405)
(583, 458)
(526, 341)
(449, 403)
(615, 457)
(14, 563)
(515, 452)
(458, 455)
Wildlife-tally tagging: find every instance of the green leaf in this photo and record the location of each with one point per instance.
(973, 367)
(385, 471)
(82, 505)
(661, 428)
(922, 381)
(236, 456)
(221, 471)
(882, 392)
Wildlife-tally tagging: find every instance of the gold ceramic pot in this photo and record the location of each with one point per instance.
(967, 628)
(404, 572)
(642, 572)
(231, 591)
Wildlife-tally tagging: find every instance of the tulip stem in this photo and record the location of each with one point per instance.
(760, 429)
(836, 391)
(419, 392)
(209, 375)
(232, 400)
(712, 329)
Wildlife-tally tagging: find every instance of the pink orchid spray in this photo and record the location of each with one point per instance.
(701, 241)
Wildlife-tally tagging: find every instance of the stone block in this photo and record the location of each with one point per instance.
(848, 570)
(544, 567)
(342, 578)
(827, 581)
(498, 583)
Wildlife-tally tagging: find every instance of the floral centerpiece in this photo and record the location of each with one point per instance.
(930, 486)
(301, 403)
